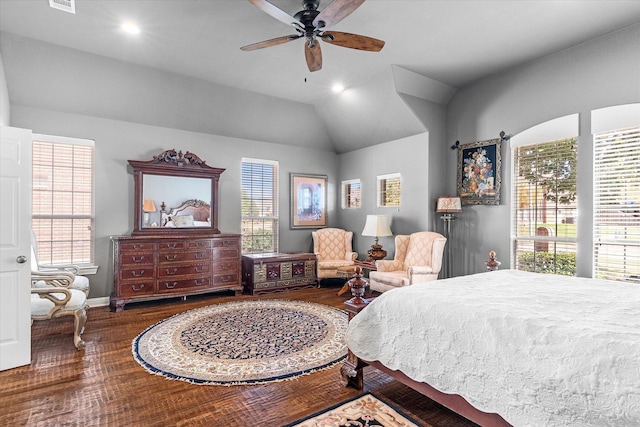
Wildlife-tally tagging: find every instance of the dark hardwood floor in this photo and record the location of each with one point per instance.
(104, 385)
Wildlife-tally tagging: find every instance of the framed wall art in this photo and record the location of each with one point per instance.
(308, 201)
(479, 173)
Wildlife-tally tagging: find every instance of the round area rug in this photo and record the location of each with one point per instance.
(244, 342)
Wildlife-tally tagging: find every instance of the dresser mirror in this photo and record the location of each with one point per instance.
(175, 193)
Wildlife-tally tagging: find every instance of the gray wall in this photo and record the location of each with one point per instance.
(118, 141)
(596, 74)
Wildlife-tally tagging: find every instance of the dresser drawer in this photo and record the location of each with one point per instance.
(128, 259)
(197, 244)
(168, 285)
(171, 257)
(169, 271)
(226, 243)
(172, 245)
(225, 266)
(136, 288)
(136, 246)
(137, 273)
(225, 279)
(233, 253)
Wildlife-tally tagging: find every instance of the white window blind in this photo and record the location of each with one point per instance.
(616, 205)
(62, 204)
(544, 207)
(259, 226)
(351, 194)
(389, 189)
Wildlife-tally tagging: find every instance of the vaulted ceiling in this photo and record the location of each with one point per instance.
(432, 48)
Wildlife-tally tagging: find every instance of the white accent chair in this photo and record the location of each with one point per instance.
(80, 283)
(333, 249)
(418, 259)
(56, 299)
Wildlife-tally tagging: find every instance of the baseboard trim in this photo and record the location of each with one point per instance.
(98, 302)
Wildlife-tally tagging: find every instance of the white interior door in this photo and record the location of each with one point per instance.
(15, 266)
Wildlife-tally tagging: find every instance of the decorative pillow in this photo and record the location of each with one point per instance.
(183, 221)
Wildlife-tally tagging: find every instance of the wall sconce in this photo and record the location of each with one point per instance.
(148, 206)
(376, 226)
(447, 206)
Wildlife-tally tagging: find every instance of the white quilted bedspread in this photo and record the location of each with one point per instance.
(540, 350)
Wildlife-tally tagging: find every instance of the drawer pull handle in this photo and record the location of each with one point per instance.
(134, 274)
(199, 244)
(199, 255)
(170, 285)
(171, 257)
(226, 242)
(175, 270)
(198, 282)
(171, 245)
(199, 268)
(134, 259)
(134, 288)
(138, 246)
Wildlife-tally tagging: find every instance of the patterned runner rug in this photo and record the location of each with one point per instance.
(363, 410)
(244, 342)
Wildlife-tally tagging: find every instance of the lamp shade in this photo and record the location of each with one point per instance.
(148, 206)
(449, 204)
(377, 226)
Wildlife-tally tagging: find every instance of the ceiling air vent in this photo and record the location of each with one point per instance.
(64, 5)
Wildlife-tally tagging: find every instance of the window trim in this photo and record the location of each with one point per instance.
(345, 194)
(379, 189)
(85, 269)
(276, 202)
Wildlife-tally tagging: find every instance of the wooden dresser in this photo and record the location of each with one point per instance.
(268, 272)
(169, 266)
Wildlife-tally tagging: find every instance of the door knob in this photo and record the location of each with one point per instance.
(21, 259)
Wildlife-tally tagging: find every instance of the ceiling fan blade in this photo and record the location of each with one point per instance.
(352, 41)
(277, 13)
(336, 12)
(272, 42)
(313, 53)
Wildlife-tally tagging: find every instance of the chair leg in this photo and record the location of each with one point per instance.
(80, 318)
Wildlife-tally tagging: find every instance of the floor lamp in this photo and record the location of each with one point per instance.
(447, 206)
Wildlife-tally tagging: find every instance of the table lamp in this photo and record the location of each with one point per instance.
(376, 226)
(148, 206)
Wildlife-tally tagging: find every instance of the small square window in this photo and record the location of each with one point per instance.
(389, 189)
(351, 194)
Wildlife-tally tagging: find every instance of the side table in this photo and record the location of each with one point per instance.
(351, 369)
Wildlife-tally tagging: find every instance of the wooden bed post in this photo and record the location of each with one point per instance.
(351, 370)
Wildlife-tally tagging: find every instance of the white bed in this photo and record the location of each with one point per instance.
(539, 350)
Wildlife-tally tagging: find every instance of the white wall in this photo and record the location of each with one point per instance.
(596, 74)
(4, 97)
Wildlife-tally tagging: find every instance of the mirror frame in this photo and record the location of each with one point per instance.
(173, 163)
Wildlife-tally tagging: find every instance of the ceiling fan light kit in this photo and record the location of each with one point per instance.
(310, 23)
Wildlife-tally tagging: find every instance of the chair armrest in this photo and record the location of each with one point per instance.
(59, 279)
(351, 256)
(72, 268)
(413, 270)
(388, 265)
(420, 274)
(58, 302)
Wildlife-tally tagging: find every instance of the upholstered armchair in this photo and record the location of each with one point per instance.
(333, 249)
(80, 283)
(418, 259)
(55, 299)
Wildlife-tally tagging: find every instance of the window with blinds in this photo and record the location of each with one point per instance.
(62, 200)
(351, 194)
(389, 189)
(616, 205)
(259, 187)
(544, 207)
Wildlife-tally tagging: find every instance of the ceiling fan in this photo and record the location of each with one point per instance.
(311, 24)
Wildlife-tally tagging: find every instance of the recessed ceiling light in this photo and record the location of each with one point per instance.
(130, 28)
(337, 88)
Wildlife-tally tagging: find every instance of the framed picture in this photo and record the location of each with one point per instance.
(479, 173)
(308, 201)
